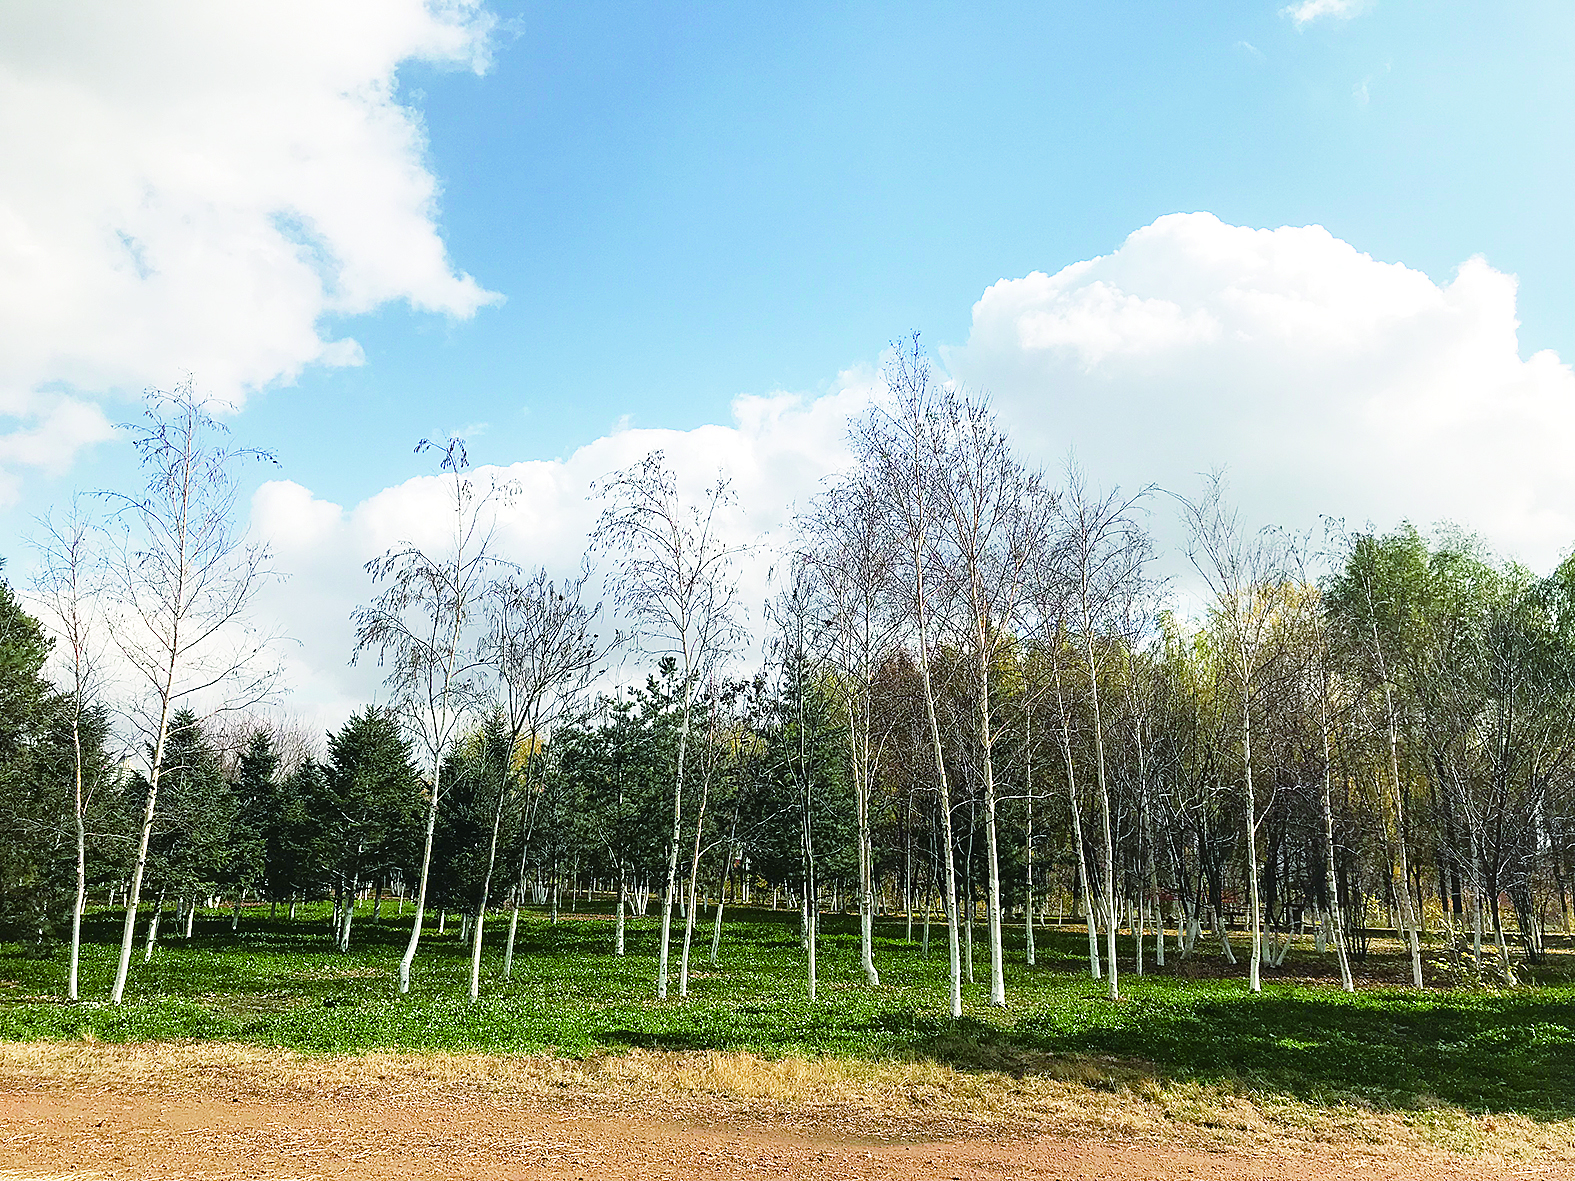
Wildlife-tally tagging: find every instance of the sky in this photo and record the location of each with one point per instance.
(1325, 245)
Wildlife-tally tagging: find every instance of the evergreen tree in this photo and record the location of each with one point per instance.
(189, 851)
(369, 810)
(253, 789)
(30, 832)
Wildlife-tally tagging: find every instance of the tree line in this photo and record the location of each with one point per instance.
(976, 706)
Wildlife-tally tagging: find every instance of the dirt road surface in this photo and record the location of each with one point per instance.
(82, 1132)
(215, 1110)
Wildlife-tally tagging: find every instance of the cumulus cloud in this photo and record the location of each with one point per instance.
(195, 186)
(1325, 381)
(776, 453)
(1306, 11)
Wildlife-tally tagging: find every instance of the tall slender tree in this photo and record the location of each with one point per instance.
(1246, 576)
(674, 577)
(542, 654)
(894, 444)
(183, 578)
(420, 627)
(68, 585)
(1105, 550)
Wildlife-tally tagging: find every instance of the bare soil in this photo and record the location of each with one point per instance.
(206, 1112)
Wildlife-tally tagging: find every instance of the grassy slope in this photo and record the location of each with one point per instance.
(276, 983)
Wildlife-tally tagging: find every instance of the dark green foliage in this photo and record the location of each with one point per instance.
(366, 804)
(190, 853)
(474, 777)
(29, 831)
(254, 791)
(620, 765)
(37, 773)
(294, 841)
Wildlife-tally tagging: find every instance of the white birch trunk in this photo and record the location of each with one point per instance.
(128, 928)
(669, 891)
(421, 889)
(153, 929)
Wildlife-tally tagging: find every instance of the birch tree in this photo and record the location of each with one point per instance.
(1321, 674)
(894, 445)
(1244, 575)
(420, 629)
(674, 578)
(68, 587)
(851, 558)
(996, 520)
(182, 578)
(542, 654)
(1105, 550)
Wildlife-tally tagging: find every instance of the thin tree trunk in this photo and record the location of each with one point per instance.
(421, 889)
(128, 929)
(618, 920)
(1331, 878)
(953, 944)
(1077, 831)
(1255, 971)
(486, 886)
(349, 914)
(508, 948)
(862, 804)
(992, 903)
(153, 929)
(672, 848)
(694, 880)
(1104, 814)
(811, 940)
(79, 903)
(1407, 915)
(519, 892)
(721, 896)
(1028, 840)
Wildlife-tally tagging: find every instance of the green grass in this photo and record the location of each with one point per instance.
(276, 983)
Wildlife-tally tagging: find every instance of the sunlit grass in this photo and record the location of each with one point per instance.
(276, 983)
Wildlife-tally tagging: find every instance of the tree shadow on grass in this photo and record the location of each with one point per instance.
(1485, 1052)
(650, 1039)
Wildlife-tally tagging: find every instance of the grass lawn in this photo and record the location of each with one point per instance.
(277, 983)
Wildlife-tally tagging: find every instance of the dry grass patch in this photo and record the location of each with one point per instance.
(1069, 1096)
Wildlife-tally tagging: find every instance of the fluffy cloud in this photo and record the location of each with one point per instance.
(1326, 382)
(195, 186)
(1306, 11)
(775, 453)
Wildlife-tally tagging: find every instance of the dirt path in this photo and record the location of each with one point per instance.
(211, 1110)
(57, 1133)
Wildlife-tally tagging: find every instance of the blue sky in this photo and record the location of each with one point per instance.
(683, 204)
(577, 231)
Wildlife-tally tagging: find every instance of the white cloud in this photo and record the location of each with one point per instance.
(1306, 11)
(195, 186)
(1325, 381)
(776, 453)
